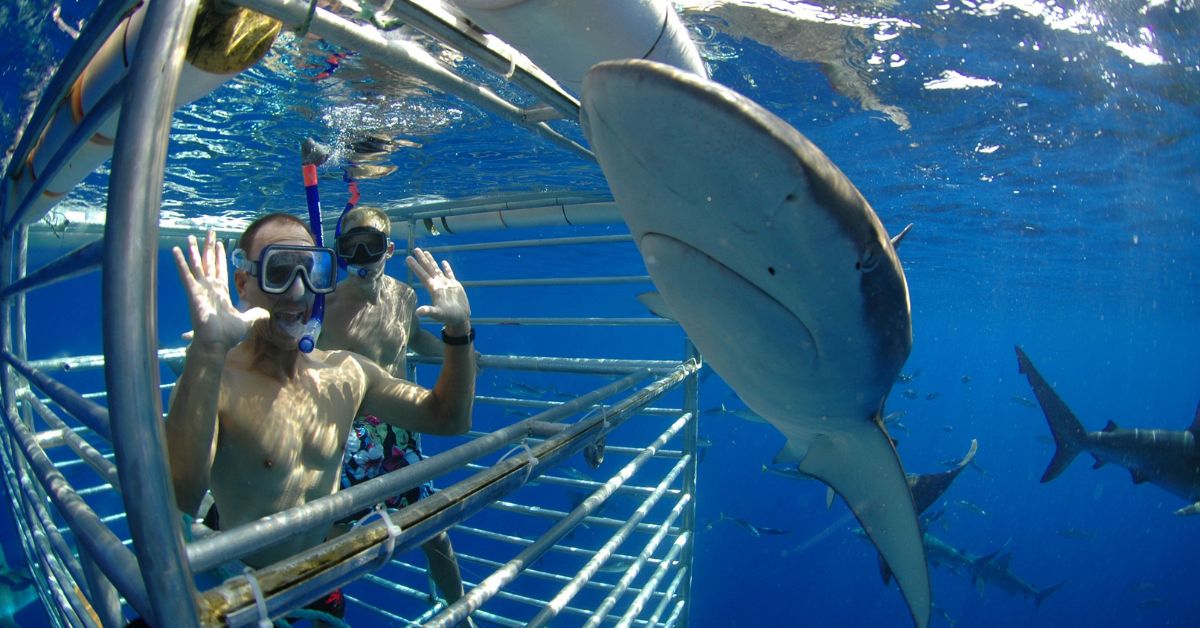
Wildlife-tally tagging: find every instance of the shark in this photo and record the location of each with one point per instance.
(990, 569)
(1169, 459)
(17, 591)
(995, 569)
(780, 273)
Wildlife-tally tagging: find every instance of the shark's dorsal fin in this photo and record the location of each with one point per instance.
(1138, 476)
(1111, 427)
(1195, 428)
(829, 495)
(900, 236)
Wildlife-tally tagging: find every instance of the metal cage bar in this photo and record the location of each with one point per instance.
(129, 310)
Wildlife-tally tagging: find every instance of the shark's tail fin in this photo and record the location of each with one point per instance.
(1069, 435)
(1045, 593)
(861, 464)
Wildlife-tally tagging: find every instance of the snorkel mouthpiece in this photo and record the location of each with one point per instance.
(361, 271)
(312, 331)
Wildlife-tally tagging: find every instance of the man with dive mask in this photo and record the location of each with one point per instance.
(262, 425)
(375, 315)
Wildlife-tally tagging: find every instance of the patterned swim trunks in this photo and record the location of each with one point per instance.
(375, 448)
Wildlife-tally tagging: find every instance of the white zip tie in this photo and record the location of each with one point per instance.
(532, 458)
(260, 602)
(393, 530)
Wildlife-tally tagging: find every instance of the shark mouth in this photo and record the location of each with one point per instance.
(741, 322)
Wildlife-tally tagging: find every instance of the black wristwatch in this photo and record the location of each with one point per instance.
(458, 341)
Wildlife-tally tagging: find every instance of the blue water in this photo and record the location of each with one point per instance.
(1055, 208)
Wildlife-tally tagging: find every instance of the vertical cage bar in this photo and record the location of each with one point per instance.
(691, 445)
(129, 279)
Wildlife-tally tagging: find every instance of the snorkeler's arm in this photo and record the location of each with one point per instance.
(446, 409)
(191, 429)
(423, 341)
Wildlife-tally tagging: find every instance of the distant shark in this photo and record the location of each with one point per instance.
(16, 592)
(927, 488)
(1168, 458)
(994, 569)
(780, 273)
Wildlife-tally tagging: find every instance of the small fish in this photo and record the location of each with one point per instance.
(1143, 586)
(521, 389)
(966, 379)
(966, 505)
(1152, 602)
(616, 564)
(905, 378)
(1025, 401)
(576, 474)
(791, 473)
(945, 615)
(893, 417)
(755, 531)
(1042, 438)
(1076, 533)
(909, 393)
(949, 429)
(702, 445)
(933, 395)
(747, 414)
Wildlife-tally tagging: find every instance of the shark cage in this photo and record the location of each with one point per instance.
(538, 540)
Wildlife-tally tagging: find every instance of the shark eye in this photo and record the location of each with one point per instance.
(869, 260)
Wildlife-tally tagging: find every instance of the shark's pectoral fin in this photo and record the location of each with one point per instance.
(792, 453)
(1138, 476)
(1099, 463)
(656, 304)
(861, 465)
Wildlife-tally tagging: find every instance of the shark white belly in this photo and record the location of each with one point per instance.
(778, 270)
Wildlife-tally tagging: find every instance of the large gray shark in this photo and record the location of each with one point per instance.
(1168, 458)
(780, 273)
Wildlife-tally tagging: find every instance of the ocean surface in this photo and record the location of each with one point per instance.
(1048, 156)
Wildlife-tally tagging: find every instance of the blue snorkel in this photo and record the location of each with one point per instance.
(313, 155)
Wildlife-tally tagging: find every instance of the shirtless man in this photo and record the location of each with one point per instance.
(262, 425)
(375, 316)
